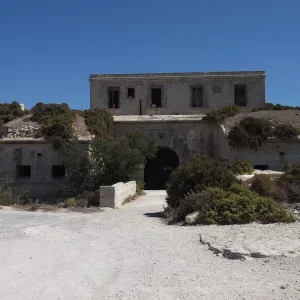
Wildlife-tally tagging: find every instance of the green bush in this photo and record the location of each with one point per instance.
(262, 184)
(10, 111)
(6, 196)
(250, 132)
(200, 173)
(241, 166)
(99, 122)
(237, 205)
(41, 112)
(266, 186)
(71, 202)
(286, 131)
(88, 198)
(56, 122)
(292, 174)
(220, 115)
(104, 164)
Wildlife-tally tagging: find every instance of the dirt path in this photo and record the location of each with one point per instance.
(127, 254)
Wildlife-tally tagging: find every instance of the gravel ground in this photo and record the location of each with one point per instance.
(128, 254)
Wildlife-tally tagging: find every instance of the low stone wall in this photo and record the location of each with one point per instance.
(113, 196)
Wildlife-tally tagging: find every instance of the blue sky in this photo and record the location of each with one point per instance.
(49, 48)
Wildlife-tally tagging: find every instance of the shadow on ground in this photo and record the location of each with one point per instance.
(154, 215)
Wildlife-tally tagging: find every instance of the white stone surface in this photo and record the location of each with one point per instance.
(128, 254)
(245, 177)
(253, 240)
(191, 218)
(113, 196)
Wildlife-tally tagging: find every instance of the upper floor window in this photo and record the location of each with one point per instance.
(113, 97)
(130, 93)
(240, 94)
(197, 96)
(23, 171)
(156, 97)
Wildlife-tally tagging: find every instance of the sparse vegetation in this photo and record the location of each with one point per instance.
(140, 185)
(220, 115)
(292, 174)
(286, 131)
(271, 106)
(6, 196)
(10, 111)
(266, 186)
(241, 166)
(250, 133)
(71, 202)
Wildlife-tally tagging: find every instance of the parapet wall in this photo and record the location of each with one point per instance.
(113, 196)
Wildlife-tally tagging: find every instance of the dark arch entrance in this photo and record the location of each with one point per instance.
(158, 170)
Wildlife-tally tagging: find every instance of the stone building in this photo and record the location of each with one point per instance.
(169, 107)
(30, 164)
(166, 107)
(176, 93)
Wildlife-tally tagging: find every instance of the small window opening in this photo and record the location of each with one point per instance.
(261, 167)
(130, 93)
(113, 97)
(58, 171)
(197, 97)
(281, 153)
(23, 171)
(39, 154)
(156, 97)
(240, 95)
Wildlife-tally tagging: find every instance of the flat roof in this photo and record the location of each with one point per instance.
(157, 118)
(184, 75)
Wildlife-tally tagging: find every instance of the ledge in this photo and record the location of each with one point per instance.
(178, 75)
(158, 118)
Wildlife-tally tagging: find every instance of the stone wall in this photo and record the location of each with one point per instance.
(40, 156)
(113, 196)
(274, 153)
(186, 137)
(218, 89)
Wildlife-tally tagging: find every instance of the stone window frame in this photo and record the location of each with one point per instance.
(18, 176)
(110, 88)
(244, 85)
(134, 92)
(192, 86)
(163, 96)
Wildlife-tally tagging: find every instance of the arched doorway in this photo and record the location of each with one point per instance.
(158, 170)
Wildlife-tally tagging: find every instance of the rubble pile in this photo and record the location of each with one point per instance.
(27, 131)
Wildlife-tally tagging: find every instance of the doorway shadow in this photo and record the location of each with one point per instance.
(158, 170)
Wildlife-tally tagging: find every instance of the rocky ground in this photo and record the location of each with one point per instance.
(130, 253)
(291, 117)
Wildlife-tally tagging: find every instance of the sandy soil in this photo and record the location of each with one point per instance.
(129, 253)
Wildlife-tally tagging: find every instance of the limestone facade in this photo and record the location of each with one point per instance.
(176, 93)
